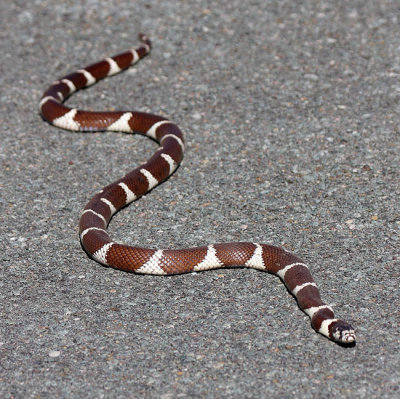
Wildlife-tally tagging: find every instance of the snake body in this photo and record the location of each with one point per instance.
(100, 209)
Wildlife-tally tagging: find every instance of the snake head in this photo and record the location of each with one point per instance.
(342, 332)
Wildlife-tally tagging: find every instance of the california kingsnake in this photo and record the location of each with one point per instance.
(99, 211)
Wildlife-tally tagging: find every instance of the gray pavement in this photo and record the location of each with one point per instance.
(290, 112)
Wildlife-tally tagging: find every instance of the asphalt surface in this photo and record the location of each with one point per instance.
(290, 112)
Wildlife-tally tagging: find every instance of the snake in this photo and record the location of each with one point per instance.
(98, 212)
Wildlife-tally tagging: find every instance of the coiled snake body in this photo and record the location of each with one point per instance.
(99, 211)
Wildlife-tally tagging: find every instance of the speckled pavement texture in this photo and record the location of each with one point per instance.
(291, 115)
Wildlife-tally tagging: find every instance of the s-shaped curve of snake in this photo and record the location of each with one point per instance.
(100, 209)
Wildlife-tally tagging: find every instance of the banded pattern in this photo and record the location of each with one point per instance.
(100, 209)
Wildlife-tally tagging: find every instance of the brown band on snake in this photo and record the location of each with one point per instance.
(100, 209)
